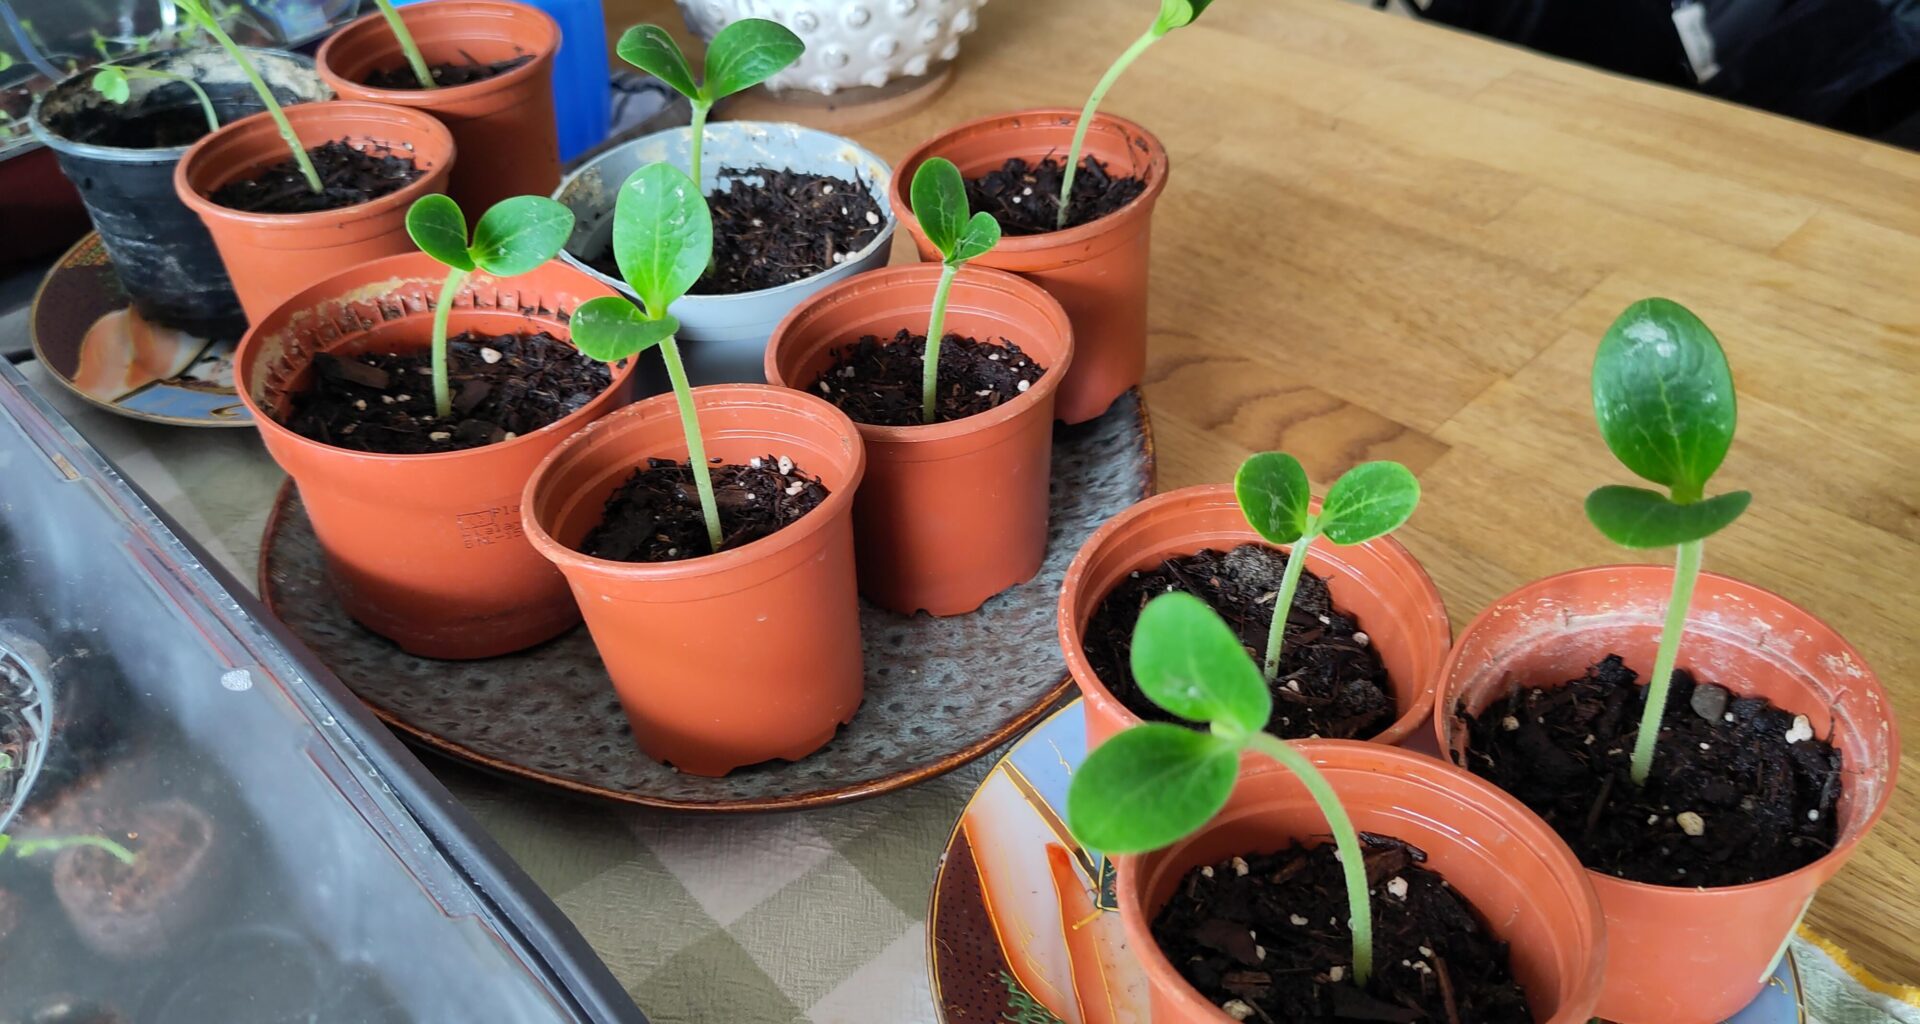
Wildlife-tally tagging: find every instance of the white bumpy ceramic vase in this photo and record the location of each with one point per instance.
(851, 44)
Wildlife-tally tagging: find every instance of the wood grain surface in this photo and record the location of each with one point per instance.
(1383, 239)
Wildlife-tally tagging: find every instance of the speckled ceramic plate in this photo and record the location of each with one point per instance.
(940, 692)
(1013, 884)
(95, 344)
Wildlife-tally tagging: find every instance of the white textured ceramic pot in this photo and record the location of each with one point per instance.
(724, 337)
(854, 46)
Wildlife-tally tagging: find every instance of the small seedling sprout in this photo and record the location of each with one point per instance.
(1156, 783)
(198, 13)
(939, 198)
(741, 56)
(514, 237)
(30, 847)
(1663, 396)
(111, 81)
(407, 46)
(1173, 14)
(662, 240)
(1370, 500)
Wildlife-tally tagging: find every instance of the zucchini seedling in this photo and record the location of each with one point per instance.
(1173, 14)
(1156, 783)
(939, 199)
(663, 241)
(513, 237)
(198, 13)
(1370, 500)
(111, 80)
(741, 56)
(29, 847)
(415, 60)
(1663, 396)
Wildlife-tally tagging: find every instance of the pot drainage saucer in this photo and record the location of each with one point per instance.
(102, 350)
(1013, 884)
(940, 692)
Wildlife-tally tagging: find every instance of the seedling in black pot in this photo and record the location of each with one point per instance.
(939, 199)
(111, 81)
(197, 13)
(741, 56)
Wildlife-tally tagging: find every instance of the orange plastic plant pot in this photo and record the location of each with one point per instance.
(273, 256)
(951, 513)
(727, 659)
(1688, 956)
(1521, 879)
(1098, 270)
(504, 124)
(423, 549)
(1379, 583)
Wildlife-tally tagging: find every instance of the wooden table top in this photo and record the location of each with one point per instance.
(1383, 239)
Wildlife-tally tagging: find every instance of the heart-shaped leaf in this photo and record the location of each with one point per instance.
(662, 235)
(1274, 495)
(1663, 395)
(1149, 786)
(1368, 501)
(1635, 517)
(109, 81)
(610, 329)
(519, 234)
(939, 199)
(982, 233)
(437, 226)
(651, 49)
(748, 52)
(1187, 660)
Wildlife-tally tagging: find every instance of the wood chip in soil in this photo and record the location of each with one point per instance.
(1740, 790)
(449, 74)
(503, 386)
(348, 177)
(655, 516)
(1269, 932)
(775, 227)
(1025, 198)
(1331, 683)
(882, 382)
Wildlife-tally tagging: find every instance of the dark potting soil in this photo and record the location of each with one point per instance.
(348, 177)
(463, 73)
(503, 385)
(1025, 198)
(1270, 932)
(1331, 681)
(153, 129)
(881, 382)
(17, 733)
(1740, 790)
(773, 227)
(655, 516)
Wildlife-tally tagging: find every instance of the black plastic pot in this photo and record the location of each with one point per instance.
(161, 252)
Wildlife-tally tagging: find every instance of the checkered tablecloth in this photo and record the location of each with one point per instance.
(815, 917)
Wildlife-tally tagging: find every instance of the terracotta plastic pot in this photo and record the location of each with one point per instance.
(425, 550)
(951, 513)
(1379, 583)
(1688, 956)
(1098, 271)
(503, 124)
(734, 658)
(1521, 879)
(271, 256)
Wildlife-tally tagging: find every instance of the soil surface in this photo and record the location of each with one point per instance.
(882, 382)
(1025, 198)
(153, 129)
(17, 735)
(503, 385)
(655, 516)
(1331, 682)
(169, 842)
(1740, 790)
(348, 177)
(464, 73)
(1269, 932)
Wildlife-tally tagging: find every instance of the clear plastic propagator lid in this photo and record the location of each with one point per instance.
(202, 828)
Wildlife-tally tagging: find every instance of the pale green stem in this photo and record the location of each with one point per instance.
(1345, 840)
(442, 391)
(29, 847)
(697, 141)
(415, 59)
(696, 445)
(936, 330)
(1283, 601)
(212, 26)
(1086, 116)
(206, 102)
(1686, 572)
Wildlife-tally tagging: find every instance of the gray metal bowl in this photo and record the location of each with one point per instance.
(725, 336)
